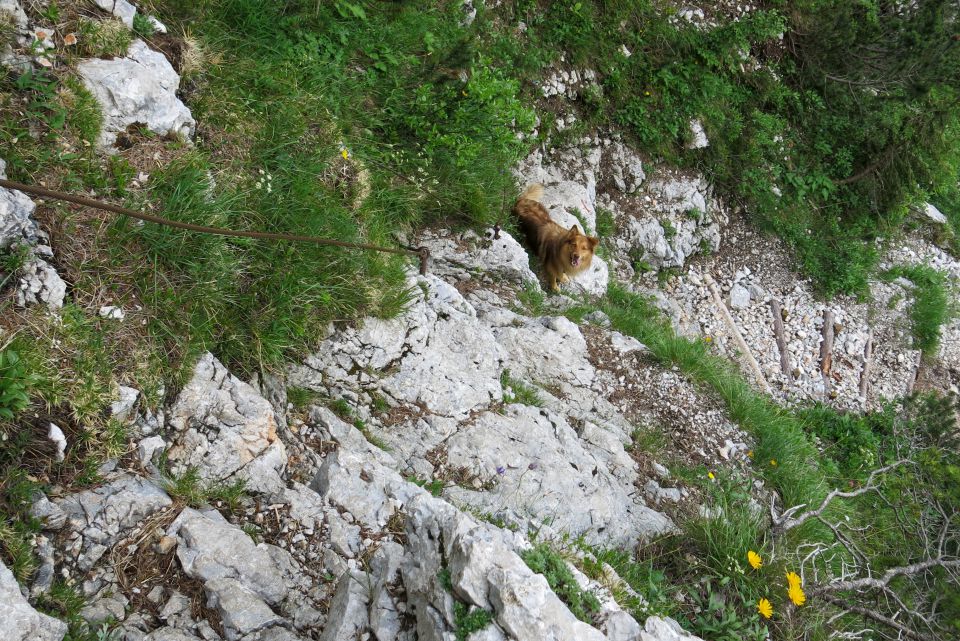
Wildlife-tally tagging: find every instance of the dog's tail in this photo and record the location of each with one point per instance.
(533, 216)
(534, 192)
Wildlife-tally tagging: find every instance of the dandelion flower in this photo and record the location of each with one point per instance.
(750, 453)
(710, 476)
(796, 595)
(773, 462)
(344, 153)
(793, 580)
(764, 608)
(754, 559)
(707, 339)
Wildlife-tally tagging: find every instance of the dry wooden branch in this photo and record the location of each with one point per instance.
(788, 521)
(918, 360)
(871, 614)
(777, 311)
(826, 351)
(867, 362)
(735, 332)
(874, 583)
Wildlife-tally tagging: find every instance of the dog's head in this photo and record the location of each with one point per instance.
(578, 248)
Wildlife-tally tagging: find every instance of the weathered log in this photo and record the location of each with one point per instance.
(867, 363)
(777, 310)
(918, 361)
(826, 352)
(735, 332)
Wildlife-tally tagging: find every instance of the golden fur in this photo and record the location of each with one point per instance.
(562, 252)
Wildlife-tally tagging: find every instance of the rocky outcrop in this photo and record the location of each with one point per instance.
(674, 219)
(138, 88)
(222, 427)
(523, 463)
(102, 515)
(20, 621)
(40, 284)
(16, 217)
(39, 281)
(119, 8)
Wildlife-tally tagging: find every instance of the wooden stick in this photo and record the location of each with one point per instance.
(737, 336)
(826, 351)
(867, 362)
(781, 338)
(916, 373)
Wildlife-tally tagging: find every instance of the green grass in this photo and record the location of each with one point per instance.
(931, 308)
(190, 488)
(435, 486)
(372, 438)
(516, 391)
(544, 560)
(65, 602)
(780, 436)
(300, 397)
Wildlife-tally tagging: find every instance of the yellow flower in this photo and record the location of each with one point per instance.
(344, 153)
(793, 580)
(750, 453)
(773, 462)
(754, 559)
(707, 339)
(764, 608)
(796, 595)
(710, 476)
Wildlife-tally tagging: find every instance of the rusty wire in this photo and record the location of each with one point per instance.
(422, 253)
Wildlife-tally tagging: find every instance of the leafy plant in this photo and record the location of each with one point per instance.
(14, 385)
(719, 619)
(467, 620)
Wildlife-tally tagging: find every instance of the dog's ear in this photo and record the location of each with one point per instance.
(574, 231)
(594, 241)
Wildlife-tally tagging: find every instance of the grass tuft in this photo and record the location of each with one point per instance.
(931, 308)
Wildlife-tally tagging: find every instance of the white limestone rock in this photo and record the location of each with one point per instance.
(933, 214)
(625, 166)
(123, 407)
(221, 425)
(415, 352)
(698, 137)
(211, 548)
(546, 468)
(103, 514)
(739, 296)
(20, 621)
(40, 284)
(138, 88)
(119, 8)
(241, 611)
(349, 608)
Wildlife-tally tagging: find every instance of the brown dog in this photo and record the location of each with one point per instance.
(562, 252)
